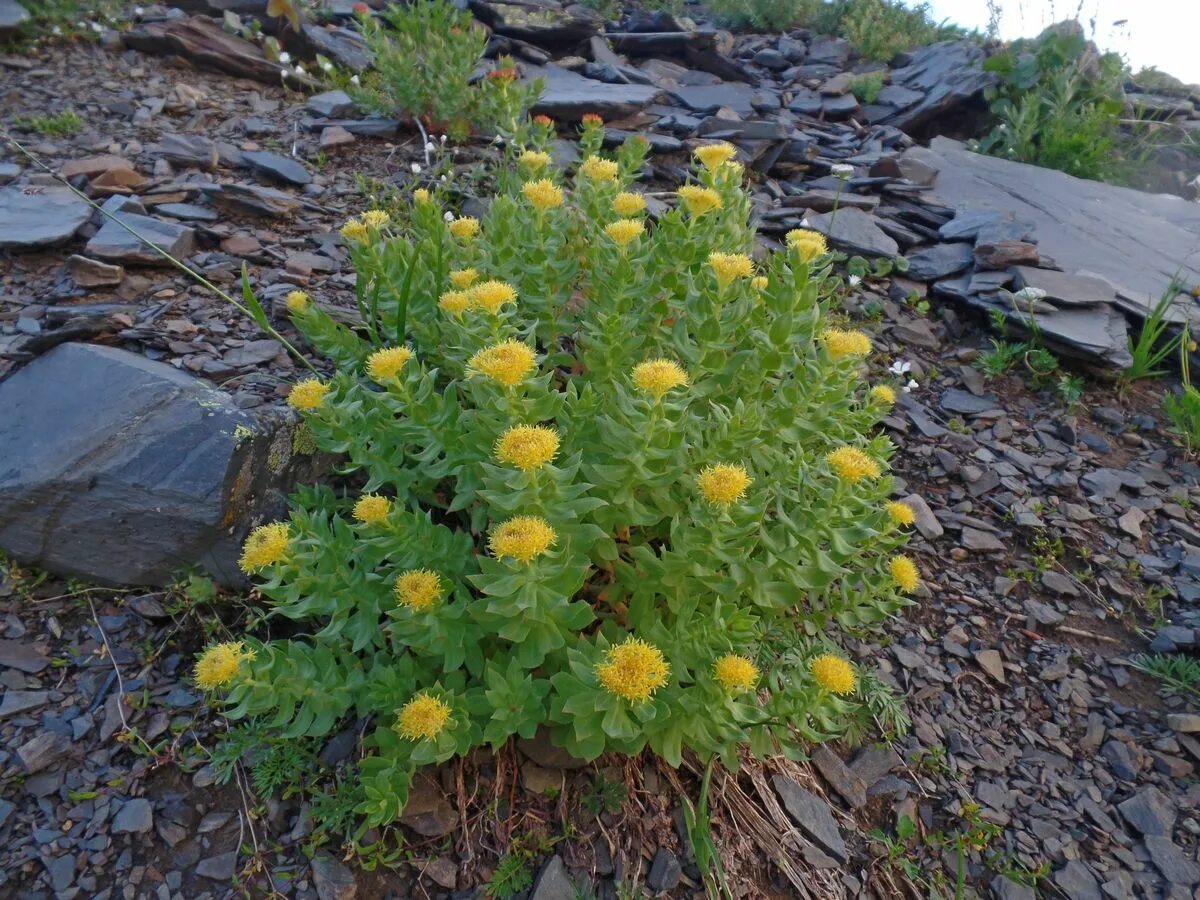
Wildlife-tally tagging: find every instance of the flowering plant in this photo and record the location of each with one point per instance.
(615, 482)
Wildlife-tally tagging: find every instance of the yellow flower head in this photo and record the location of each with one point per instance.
(699, 200)
(543, 193)
(833, 673)
(371, 509)
(420, 196)
(657, 376)
(466, 227)
(507, 363)
(455, 302)
(729, 266)
(463, 278)
(491, 295)
(905, 574)
(627, 203)
(307, 394)
(527, 446)
(422, 717)
(298, 301)
(598, 169)
(220, 664)
(624, 230)
(534, 160)
(807, 244)
(735, 673)
(851, 464)
(716, 155)
(900, 513)
(384, 365)
(759, 282)
(418, 588)
(884, 394)
(355, 230)
(633, 669)
(375, 218)
(522, 538)
(266, 545)
(840, 343)
(722, 484)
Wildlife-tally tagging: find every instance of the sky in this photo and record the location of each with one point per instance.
(1160, 33)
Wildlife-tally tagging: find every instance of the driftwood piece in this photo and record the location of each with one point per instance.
(203, 42)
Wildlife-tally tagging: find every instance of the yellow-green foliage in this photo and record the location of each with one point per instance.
(660, 555)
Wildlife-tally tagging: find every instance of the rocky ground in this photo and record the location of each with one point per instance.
(1057, 544)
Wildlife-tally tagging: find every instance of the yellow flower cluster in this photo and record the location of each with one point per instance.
(527, 446)
(543, 193)
(624, 230)
(384, 365)
(534, 160)
(736, 673)
(884, 394)
(728, 266)
(454, 302)
(375, 218)
(759, 282)
(307, 394)
(900, 513)
(371, 509)
(220, 664)
(628, 203)
(507, 363)
(716, 155)
(905, 574)
(463, 278)
(807, 244)
(491, 295)
(420, 196)
(840, 343)
(722, 484)
(834, 674)
(298, 301)
(356, 231)
(266, 545)
(522, 537)
(598, 169)
(852, 464)
(465, 228)
(418, 588)
(699, 200)
(633, 670)
(422, 718)
(657, 376)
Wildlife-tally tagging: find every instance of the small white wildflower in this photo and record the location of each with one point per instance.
(430, 147)
(355, 80)
(300, 70)
(443, 178)
(900, 367)
(443, 139)
(448, 217)
(137, 11)
(416, 168)
(855, 280)
(96, 27)
(327, 66)
(911, 384)
(499, 141)
(285, 57)
(842, 170)
(56, 31)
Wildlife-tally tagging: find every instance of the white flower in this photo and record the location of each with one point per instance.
(300, 70)
(443, 139)
(327, 66)
(855, 280)
(285, 57)
(56, 30)
(137, 11)
(900, 367)
(911, 384)
(96, 27)
(355, 80)
(430, 147)
(448, 217)
(1030, 294)
(416, 168)
(842, 170)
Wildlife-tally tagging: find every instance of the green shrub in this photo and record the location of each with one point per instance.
(866, 87)
(616, 482)
(425, 55)
(1153, 345)
(1183, 409)
(63, 124)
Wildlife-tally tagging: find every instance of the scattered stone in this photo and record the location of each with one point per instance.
(221, 867)
(428, 813)
(542, 751)
(1171, 861)
(665, 871)
(23, 656)
(203, 41)
(1077, 881)
(1186, 723)
(569, 97)
(280, 168)
(854, 231)
(927, 523)
(811, 815)
(189, 150)
(34, 216)
(332, 879)
(43, 750)
(1058, 583)
(125, 240)
(93, 273)
(12, 16)
(979, 541)
(1149, 811)
(938, 261)
(552, 882)
(839, 776)
(135, 817)
(992, 664)
(331, 104)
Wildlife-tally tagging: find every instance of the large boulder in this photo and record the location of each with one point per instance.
(122, 470)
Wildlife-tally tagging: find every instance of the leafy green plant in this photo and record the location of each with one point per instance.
(1183, 408)
(425, 56)
(879, 29)
(604, 795)
(63, 124)
(616, 481)
(1178, 674)
(1001, 358)
(896, 850)
(277, 765)
(866, 87)
(1070, 390)
(1150, 349)
(513, 875)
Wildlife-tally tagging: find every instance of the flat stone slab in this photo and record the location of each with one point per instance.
(569, 97)
(12, 16)
(116, 243)
(33, 216)
(854, 231)
(1135, 241)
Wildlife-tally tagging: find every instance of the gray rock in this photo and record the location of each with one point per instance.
(1058, 583)
(947, 76)
(542, 751)
(332, 879)
(23, 656)
(123, 470)
(569, 97)
(665, 871)
(811, 814)
(252, 199)
(956, 400)
(874, 763)
(115, 241)
(331, 104)
(543, 22)
(938, 261)
(1080, 290)
(12, 16)
(21, 701)
(839, 776)
(220, 867)
(277, 166)
(345, 46)
(1171, 861)
(43, 750)
(93, 273)
(33, 216)
(189, 150)
(1184, 723)
(980, 541)
(990, 662)
(61, 869)
(187, 211)
(135, 817)
(1077, 881)
(1149, 811)
(1007, 889)
(854, 231)
(552, 882)
(1120, 760)
(927, 523)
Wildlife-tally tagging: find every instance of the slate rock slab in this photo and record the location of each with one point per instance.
(12, 16)
(116, 243)
(938, 261)
(33, 216)
(947, 75)
(553, 883)
(542, 22)
(855, 231)
(812, 815)
(123, 470)
(333, 880)
(569, 97)
(278, 167)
